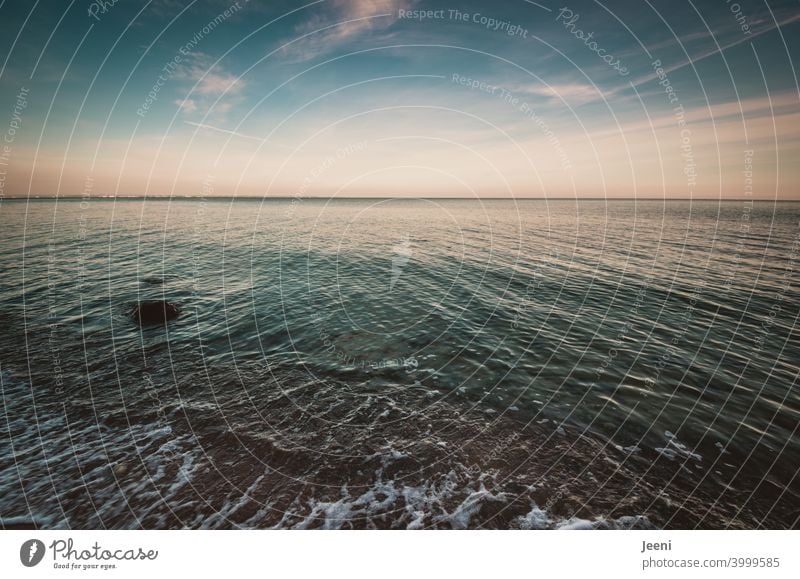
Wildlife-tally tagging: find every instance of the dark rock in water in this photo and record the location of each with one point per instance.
(155, 312)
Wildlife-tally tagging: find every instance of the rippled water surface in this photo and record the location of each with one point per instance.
(400, 364)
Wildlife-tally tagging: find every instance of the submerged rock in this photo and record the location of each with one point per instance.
(155, 312)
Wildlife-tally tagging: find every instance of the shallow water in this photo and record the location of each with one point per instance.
(400, 364)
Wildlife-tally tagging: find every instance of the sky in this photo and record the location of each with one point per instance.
(400, 98)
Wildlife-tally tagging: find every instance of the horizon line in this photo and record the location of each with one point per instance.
(321, 197)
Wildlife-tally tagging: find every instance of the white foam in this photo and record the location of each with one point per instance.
(626, 522)
(471, 505)
(538, 519)
(534, 520)
(676, 449)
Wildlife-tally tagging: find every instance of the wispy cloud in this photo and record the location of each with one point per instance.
(213, 89)
(574, 93)
(758, 114)
(718, 48)
(209, 78)
(186, 105)
(346, 21)
(212, 128)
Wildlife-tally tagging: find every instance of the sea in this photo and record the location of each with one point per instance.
(400, 364)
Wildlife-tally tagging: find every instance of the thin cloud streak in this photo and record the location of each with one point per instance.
(237, 134)
(716, 50)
